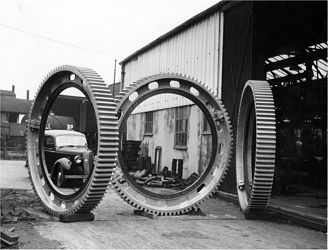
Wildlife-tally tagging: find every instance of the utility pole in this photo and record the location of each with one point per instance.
(114, 78)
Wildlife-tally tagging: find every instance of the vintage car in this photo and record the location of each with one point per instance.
(67, 156)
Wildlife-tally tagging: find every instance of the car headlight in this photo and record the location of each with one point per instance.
(78, 159)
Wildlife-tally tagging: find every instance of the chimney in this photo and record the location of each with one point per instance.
(13, 88)
(27, 95)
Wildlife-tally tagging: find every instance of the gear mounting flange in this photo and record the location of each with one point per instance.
(220, 127)
(92, 191)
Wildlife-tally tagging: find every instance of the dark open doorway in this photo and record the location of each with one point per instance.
(285, 43)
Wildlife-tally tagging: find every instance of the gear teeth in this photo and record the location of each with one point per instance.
(223, 164)
(256, 197)
(93, 193)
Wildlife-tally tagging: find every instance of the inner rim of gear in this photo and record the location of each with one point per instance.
(45, 113)
(97, 92)
(220, 128)
(255, 151)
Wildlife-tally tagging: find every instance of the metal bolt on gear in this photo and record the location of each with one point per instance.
(255, 147)
(220, 127)
(91, 193)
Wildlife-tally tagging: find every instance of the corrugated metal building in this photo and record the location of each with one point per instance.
(193, 51)
(232, 42)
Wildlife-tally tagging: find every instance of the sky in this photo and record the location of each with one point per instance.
(36, 36)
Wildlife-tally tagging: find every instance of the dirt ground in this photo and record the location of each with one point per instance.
(116, 226)
(22, 213)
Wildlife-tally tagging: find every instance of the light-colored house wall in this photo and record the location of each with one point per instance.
(195, 52)
(195, 158)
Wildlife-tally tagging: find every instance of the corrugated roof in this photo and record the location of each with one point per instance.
(15, 105)
(319, 65)
(224, 4)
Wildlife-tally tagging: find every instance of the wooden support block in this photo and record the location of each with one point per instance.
(9, 238)
(143, 213)
(76, 217)
(260, 215)
(198, 212)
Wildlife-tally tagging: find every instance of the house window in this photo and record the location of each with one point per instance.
(181, 126)
(149, 123)
(206, 128)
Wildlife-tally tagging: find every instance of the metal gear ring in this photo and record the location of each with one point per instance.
(91, 193)
(219, 123)
(255, 146)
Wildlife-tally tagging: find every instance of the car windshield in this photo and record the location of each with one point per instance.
(71, 141)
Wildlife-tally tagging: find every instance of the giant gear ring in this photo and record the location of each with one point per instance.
(255, 147)
(91, 193)
(220, 127)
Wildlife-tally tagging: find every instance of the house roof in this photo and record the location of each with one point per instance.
(10, 103)
(7, 93)
(224, 4)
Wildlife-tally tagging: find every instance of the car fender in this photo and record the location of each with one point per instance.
(64, 163)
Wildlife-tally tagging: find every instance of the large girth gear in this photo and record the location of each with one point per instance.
(220, 127)
(255, 147)
(91, 193)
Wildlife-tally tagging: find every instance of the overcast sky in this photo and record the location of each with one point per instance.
(39, 35)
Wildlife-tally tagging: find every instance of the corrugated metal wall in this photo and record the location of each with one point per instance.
(194, 52)
(162, 101)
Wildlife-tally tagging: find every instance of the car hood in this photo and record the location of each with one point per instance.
(73, 150)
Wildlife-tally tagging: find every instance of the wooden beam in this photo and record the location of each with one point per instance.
(311, 56)
(288, 78)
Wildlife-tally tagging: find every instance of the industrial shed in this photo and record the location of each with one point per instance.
(13, 110)
(232, 42)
